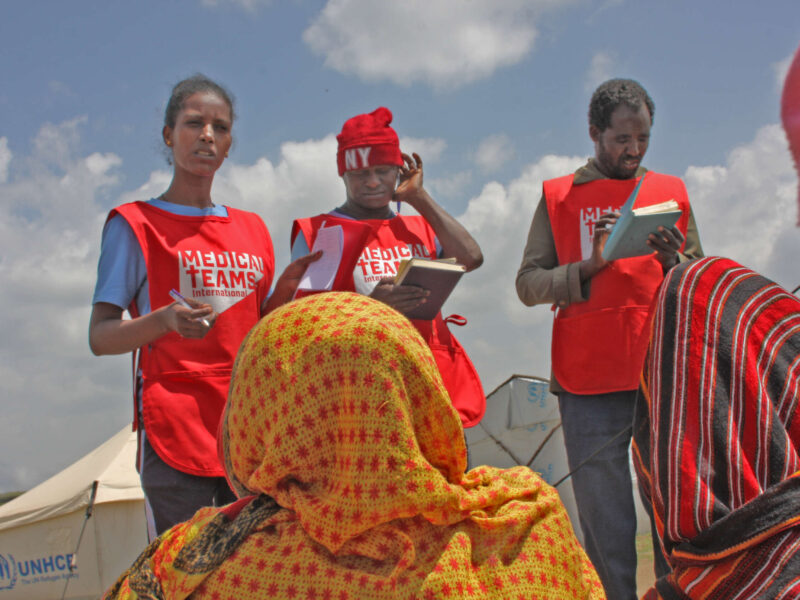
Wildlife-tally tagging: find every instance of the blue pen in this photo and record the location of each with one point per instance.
(176, 295)
(397, 183)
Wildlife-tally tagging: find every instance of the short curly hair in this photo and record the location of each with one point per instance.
(609, 95)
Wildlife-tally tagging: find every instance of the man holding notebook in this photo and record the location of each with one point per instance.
(601, 311)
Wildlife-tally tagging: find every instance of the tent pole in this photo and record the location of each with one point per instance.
(73, 561)
(544, 441)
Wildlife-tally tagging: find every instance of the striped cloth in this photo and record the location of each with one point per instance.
(717, 434)
(338, 423)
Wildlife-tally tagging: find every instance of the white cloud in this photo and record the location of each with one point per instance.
(504, 336)
(493, 152)
(746, 209)
(56, 145)
(448, 187)
(444, 43)
(429, 149)
(600, 69)
(49, 237)
(5, 159)
(304, 182)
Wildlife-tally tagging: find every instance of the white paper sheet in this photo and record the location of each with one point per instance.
(320, 274)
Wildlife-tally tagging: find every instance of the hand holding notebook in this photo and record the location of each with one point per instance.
(630, 233)
(439, 277)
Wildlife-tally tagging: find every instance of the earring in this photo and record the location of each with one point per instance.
(169, 143)
(226, 155)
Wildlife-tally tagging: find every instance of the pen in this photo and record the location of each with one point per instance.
(176, 295)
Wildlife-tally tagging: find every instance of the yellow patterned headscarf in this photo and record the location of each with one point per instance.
(337, 411)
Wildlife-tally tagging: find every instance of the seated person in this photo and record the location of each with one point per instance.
(717, 428)
(717, 434)
(349, 460)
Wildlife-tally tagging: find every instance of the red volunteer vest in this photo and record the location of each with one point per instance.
(226, 262)
(599, 345)
(375, 247)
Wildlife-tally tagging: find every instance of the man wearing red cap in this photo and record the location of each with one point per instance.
(376, 239)
(602, 308)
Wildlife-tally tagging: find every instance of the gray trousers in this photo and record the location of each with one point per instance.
(172, 496)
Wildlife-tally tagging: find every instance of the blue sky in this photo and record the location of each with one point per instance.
(492, 93)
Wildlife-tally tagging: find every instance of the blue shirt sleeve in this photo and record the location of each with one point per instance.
(121, 270)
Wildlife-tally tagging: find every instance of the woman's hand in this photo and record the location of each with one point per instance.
(287, 283)
(109, 333)
(193, 323)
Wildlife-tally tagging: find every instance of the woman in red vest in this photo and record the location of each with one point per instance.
(221, 261)
(375, 173)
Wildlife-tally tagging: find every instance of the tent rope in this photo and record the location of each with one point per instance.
(508, 451)
(73, 561)
(626, 430)
(542, 445)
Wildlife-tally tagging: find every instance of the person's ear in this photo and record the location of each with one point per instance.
(166, 133)
(594, 132)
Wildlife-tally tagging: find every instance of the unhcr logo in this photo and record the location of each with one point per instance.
(45, 565)
(8, 572)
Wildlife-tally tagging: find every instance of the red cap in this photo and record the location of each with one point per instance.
(790, 112)
(368, 141)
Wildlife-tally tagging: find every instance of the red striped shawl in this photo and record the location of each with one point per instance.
(717, 433)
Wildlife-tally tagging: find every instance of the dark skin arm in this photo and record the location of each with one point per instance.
(666, 243)
(596, 263)
(109, 333)
(455, 239)
(287, 283)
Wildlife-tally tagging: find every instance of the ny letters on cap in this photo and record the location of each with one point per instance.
(367, 141)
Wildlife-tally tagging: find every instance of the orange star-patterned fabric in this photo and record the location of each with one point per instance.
(337, 411)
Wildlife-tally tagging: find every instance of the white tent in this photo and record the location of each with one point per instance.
(522, 426)
(41, 529)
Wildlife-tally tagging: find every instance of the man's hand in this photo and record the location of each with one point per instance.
(409, 187)
(596, 263)
(402, 298)
(666, 243)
